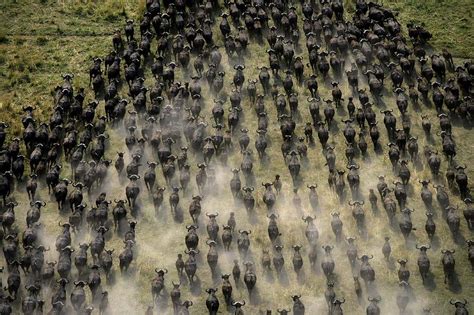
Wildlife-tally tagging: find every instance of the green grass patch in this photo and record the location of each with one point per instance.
(451, 22)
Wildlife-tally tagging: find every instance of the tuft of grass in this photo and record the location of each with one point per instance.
(59, 30)
(19, 41)
(41, 41)
(3, 38)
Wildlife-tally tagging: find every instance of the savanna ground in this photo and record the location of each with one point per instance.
(39, 40)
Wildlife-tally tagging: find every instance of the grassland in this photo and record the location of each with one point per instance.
(39, 40)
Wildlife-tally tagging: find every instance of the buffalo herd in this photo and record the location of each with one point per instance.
(186, 110)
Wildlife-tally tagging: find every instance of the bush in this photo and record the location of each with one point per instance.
(19, 41)
(59, 30)
(24, 78)
(41, 41)
(3, 38)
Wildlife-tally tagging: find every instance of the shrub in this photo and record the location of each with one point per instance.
(41, 41)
